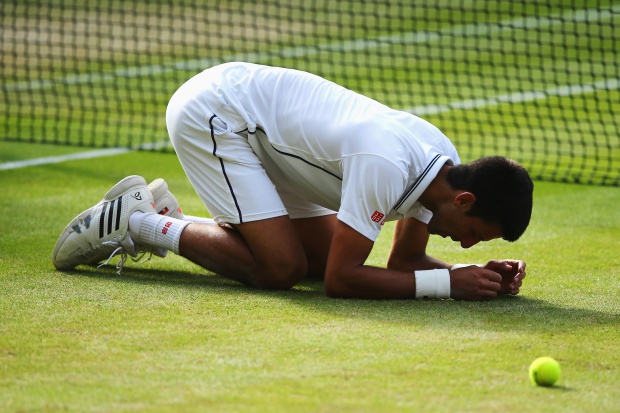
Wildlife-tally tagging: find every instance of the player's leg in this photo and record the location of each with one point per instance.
(314, 226)
(262, 248)
(265, 253)
(315, 234)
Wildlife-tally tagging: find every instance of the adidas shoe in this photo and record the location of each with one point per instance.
(103, 230)
(165, 204)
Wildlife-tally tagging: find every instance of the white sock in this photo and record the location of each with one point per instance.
(154, 230)
(199, 220)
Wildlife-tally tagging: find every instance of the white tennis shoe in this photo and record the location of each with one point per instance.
(165, 203)
(102, 231)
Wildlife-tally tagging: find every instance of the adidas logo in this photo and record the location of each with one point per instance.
(110, 217)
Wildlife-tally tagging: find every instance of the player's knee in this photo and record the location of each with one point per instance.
(333, 288)
(282, 274)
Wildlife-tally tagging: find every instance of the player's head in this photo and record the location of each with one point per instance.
(503, 193)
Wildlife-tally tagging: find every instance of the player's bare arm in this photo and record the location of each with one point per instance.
(409, 248)
(409, 254)
(347, 276)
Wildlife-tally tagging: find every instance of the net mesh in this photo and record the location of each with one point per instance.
(536, 81)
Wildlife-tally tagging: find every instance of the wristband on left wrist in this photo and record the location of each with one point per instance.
(432, 283)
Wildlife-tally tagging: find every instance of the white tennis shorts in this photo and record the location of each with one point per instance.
(221, 164)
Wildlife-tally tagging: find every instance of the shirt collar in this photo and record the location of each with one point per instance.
(415, 190)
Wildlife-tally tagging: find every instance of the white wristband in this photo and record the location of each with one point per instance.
(432, 284)
(457, 266)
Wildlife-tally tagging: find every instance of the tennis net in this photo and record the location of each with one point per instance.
(537, 81)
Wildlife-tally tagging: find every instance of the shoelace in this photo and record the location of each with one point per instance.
(158, 252)
(139, 259)
(124, 255)
(119, 249)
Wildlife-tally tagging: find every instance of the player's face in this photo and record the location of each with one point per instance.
(462, 228)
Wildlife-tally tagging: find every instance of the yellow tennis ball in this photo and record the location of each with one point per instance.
(544, 371)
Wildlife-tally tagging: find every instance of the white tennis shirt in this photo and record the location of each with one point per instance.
(330, 145)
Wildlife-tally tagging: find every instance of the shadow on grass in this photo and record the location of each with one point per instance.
(524, 313)
(191, 279)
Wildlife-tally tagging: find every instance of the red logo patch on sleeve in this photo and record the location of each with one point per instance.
(377, 216)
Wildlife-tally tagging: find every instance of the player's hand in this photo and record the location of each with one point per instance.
(512, 272)
(474, 283)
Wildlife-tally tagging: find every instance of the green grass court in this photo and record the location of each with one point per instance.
(165, 336)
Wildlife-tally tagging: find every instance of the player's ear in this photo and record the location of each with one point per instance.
(465, 200)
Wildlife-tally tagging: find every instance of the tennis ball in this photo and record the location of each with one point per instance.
(544, 371)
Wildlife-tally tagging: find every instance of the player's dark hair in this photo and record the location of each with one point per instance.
(503, 191)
